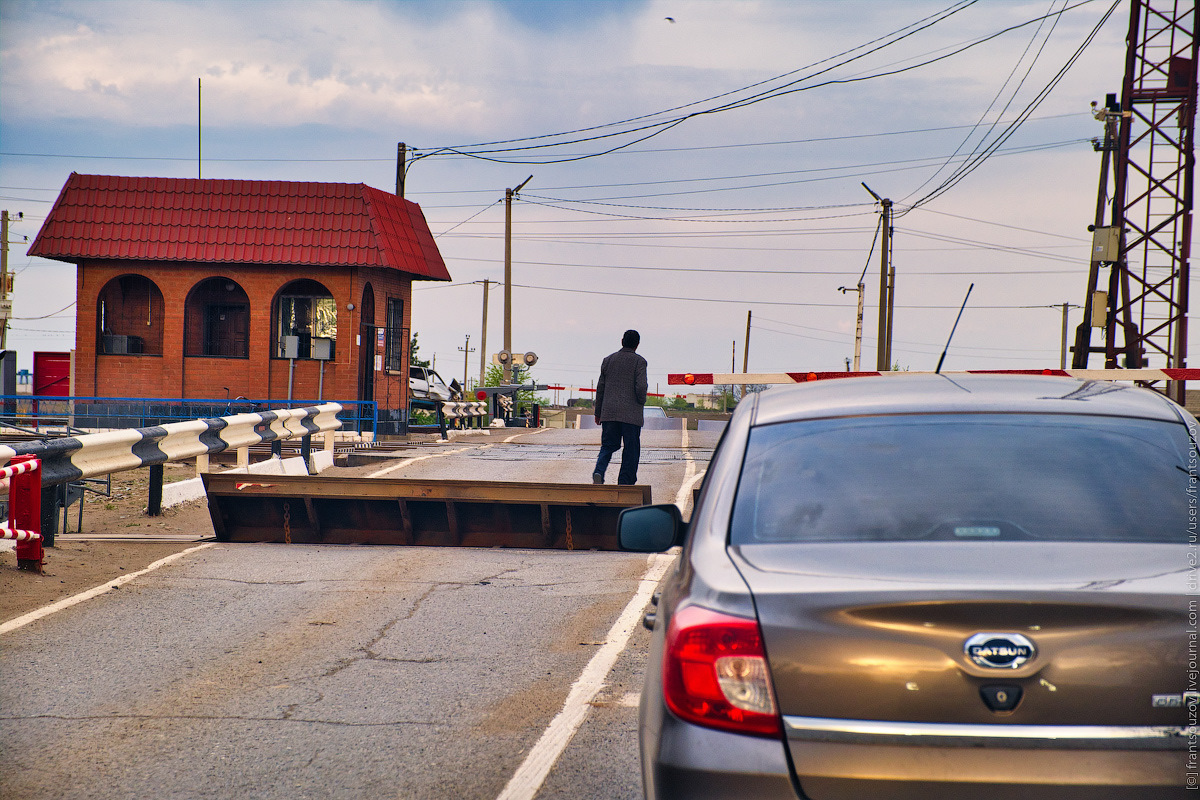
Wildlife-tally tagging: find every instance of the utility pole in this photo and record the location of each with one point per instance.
(891, 294)
(887, 280)
(483, 337)
(858, 324)
(401, 163)
(5, 303)
(199, 128)
(466, 351)
(1062, 358)
(509, 194)
(746, 349)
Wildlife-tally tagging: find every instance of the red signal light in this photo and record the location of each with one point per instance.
(481, 395)
(689, 379)
(715, 673)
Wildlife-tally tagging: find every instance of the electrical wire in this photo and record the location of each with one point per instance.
(981, 156)
(901, 33)
(660, 127)
(631, 151)
(754, 302)
(971, 133)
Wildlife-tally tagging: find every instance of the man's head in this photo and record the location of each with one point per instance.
(631, 339)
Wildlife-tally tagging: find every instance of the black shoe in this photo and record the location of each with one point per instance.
(597, 477)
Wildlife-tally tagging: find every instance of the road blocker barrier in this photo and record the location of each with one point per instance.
(24, 478)
(438, 513)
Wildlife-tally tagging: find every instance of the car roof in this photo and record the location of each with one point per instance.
(925, 393)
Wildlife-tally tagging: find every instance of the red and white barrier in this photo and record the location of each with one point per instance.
(24, 476)
(722, 378)
(593, 391)
(20, 536)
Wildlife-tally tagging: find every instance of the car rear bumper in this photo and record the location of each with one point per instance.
(838, 759)
(698, 762)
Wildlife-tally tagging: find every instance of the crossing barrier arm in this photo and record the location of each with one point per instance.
(776, 378)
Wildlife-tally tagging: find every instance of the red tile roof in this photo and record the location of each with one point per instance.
(238, 222)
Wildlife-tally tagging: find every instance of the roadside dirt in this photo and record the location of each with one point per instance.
(74, 565)
(116, 537)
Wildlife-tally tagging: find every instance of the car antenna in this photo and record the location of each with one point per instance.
(938, 371)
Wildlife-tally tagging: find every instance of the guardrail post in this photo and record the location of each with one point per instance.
(25, 513)
(154, 503)
(306, 452)
(48, 504)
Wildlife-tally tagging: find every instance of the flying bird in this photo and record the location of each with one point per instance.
(670, 20)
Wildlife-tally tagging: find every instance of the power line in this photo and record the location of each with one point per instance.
(752, 302)
(390, 160)
(791, 87)
(899, 34)
(781, 272)
(979, 157)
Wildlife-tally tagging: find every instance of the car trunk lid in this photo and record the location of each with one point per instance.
(879, 631)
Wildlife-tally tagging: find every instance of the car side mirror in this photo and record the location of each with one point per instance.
(650, 529)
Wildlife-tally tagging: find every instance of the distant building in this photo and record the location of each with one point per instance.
(208, 288)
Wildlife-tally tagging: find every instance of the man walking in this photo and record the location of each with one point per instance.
(620, 395)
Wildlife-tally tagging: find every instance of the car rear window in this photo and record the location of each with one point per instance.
(967, 477)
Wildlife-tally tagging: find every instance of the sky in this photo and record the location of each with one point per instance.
(689, 162)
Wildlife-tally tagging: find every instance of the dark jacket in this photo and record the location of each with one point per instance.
(621, 390)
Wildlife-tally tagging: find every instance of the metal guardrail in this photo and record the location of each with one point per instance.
(71, 458)
(47, 414)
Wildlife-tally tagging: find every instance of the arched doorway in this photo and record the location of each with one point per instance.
(217, 320)
(129, 317)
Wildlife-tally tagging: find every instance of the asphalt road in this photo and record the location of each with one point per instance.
(277, 671)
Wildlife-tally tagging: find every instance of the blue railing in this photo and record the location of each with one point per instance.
(35, 413)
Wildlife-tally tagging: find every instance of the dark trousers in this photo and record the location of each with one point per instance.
(614, 435)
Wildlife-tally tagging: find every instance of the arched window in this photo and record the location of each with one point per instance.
(217, 320)
(305, 321)
(129, 317)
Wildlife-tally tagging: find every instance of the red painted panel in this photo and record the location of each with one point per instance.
(52, 374)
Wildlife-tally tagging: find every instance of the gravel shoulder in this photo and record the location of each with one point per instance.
(82, 559)
(116, 537)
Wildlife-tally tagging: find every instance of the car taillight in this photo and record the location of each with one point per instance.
(715, 673)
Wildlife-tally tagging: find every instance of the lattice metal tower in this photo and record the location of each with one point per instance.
(1144, 246)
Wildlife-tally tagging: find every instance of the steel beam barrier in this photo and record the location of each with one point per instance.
(300, 509)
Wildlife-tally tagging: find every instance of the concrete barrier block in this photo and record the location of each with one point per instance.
(293, 466)
(180, 492)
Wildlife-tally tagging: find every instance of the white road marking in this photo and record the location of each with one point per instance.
(408, 461)
(46, 611)
(526, 433)
(529, 777)
(630, 699)
(684, 496)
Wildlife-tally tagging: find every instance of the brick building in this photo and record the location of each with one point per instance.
(207, 288)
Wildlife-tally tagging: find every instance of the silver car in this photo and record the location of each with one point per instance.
(425, 384)
(931, 587)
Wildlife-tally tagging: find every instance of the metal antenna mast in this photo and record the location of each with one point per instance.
(1145, 245)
